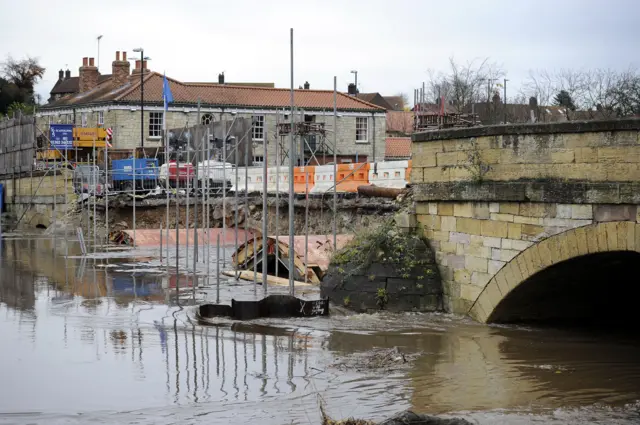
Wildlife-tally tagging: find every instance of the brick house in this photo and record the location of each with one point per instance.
(113, 101)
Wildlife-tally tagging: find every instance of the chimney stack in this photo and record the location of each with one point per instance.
(306, 85)
(141, 66)
(60, 75)
(67, 74)
(221, 78)
(351, 89)
(88, 75)
(120, 69)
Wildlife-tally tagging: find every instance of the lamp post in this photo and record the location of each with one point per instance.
(356, 82)
(142, 59)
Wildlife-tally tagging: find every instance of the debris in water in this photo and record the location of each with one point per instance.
(379, 358)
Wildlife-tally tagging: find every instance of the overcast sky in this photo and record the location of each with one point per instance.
(392, 44)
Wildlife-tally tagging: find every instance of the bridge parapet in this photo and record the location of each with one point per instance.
(485, 195)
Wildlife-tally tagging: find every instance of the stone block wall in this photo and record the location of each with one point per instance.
(598, 151)
(473, 241)
(125, 124)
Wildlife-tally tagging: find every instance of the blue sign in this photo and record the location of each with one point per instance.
(61, 136)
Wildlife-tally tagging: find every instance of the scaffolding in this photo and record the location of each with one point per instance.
(312, 136)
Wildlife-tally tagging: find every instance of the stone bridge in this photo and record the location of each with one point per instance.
(533, 222)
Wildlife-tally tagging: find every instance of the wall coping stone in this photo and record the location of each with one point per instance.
(521, 129)
(544, 190)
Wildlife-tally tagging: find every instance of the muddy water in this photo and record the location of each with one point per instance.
(109, 339)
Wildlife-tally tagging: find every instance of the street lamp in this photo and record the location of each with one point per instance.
(142, 59)
(356, 83)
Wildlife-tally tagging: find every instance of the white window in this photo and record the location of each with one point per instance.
(83, 118)
(258, 127)
(155, 124)
(362, 129)
(100, 117)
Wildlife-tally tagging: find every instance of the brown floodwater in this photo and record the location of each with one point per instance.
(109, 339)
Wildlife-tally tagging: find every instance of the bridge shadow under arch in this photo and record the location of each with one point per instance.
(588, 275)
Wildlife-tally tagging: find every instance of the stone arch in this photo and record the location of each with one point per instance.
(40, 221)
(592, 239)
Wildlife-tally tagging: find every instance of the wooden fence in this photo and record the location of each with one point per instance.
(17, 145)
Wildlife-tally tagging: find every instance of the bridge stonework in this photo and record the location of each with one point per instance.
(502, 203)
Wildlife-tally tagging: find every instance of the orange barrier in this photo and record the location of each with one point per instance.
(300, 175)
(349, 180)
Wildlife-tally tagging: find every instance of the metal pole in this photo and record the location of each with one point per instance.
(95, 197)
(166, 185)
(291, 194)
(195, 207)
(265, 236)
(161, 243)
(277, 143)
(255, 265)
(246, 196)
(142, 98)
(135, 175)
(106, 192)
(224, 185)
(195, 216)
(88, 233)
(203, 185)
(335, 159)
(235, 203)
(217, 270)
(208, 214)
(187, 212)
(55, 208)
(177, 233)
(306, 225)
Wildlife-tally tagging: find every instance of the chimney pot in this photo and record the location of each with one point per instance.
(117, 55)
(60, 75)
(221, 78)
(307, 86)
(137, 64)
(67, 74)
(144, 64)
(85, 61)
(91, 63)
(124, 56)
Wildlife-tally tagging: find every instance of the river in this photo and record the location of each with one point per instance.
(108, 340)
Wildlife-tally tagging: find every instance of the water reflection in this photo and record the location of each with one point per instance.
(114, 344)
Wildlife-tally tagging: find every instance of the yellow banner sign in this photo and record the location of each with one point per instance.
(89, 134)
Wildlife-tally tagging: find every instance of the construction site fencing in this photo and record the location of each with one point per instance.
(17, 145)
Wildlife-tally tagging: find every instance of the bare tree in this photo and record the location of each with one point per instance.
(24, 74)
(464, 83)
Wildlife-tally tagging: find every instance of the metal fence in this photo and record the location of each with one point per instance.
(17, 145)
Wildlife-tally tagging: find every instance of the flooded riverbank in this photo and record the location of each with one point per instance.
(112, 338)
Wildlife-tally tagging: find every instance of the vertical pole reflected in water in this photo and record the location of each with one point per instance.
(246, 387)
(275, 363)
(195, 365)
(166, 361)
(206, 337)
(217, 352)
(175, 333)
(264, 365)
(187, 364)
(291, 363)
(235, 365)
(224, 366)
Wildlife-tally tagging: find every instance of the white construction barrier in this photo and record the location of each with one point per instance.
(324, 180)
(391, 174)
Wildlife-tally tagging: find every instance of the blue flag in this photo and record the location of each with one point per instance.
(166, 93)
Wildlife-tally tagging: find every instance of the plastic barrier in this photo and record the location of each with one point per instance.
(283, 184)
(254, 182)
(350, 176)
(323, 179)
(389, 174)
(300, 175)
